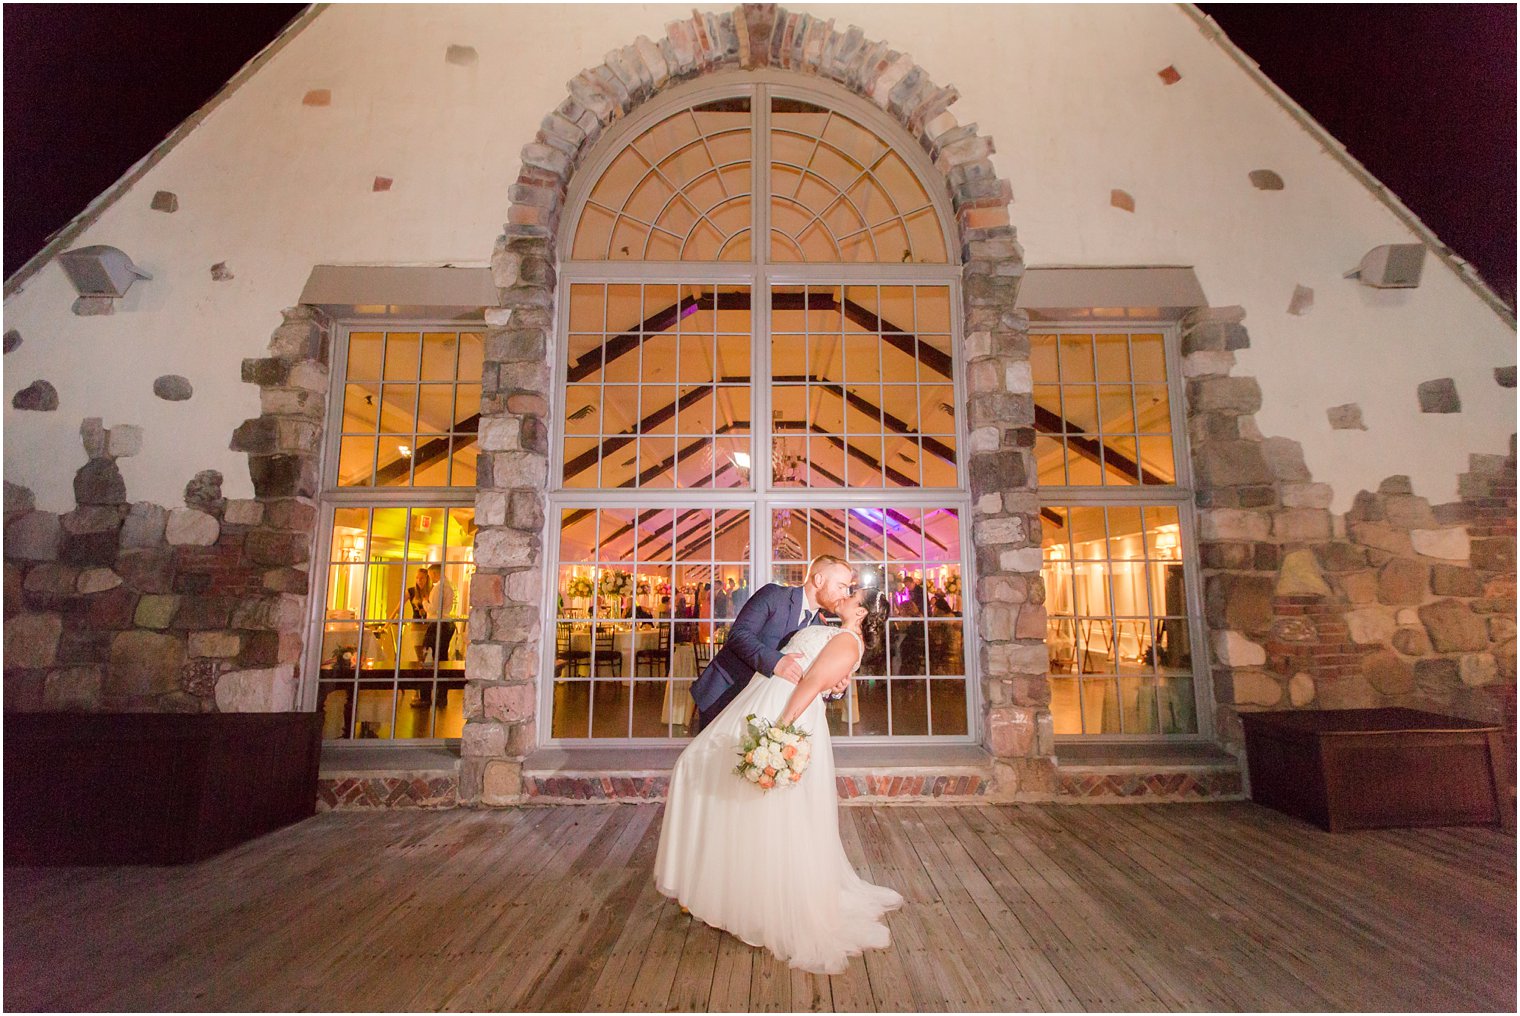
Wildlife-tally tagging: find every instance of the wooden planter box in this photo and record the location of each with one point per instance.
(1366, 768)
(153, 788)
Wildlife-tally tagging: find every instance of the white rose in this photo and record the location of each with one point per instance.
(799, 764)
(761, 757)
(753, 775)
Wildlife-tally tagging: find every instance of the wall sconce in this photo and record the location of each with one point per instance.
(100, 275)
(1391, 266)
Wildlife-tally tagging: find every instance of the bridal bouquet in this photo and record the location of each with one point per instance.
(772, 756)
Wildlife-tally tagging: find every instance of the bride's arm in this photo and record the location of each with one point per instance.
(832, 666)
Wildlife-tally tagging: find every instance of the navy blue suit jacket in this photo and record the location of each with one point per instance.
(754, 643)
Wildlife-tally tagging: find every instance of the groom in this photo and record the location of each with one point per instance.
(773, 614)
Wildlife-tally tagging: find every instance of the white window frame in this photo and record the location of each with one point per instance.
(760, 276)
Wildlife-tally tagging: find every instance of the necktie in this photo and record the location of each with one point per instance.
(808, 616)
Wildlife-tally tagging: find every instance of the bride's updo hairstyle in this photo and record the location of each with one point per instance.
(873, 628)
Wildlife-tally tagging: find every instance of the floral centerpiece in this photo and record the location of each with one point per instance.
(953, 584)
(579, 587)
(772, 756)
(615, 583)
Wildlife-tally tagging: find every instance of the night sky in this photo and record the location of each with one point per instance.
(1423, 95)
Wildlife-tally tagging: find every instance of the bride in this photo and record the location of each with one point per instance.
(768, 866)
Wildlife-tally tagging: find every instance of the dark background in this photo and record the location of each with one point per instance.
(1422, 94)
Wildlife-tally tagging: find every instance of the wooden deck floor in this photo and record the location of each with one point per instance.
(1192, 907)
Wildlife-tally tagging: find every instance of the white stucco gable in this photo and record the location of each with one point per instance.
(271, 186)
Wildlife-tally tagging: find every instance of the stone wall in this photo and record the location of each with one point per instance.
(1396, 602)
(504, 660)
(199, 607)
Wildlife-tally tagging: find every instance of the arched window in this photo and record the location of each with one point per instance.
(732, 409)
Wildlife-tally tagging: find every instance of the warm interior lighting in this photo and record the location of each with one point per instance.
(741, 459)
(405, 450)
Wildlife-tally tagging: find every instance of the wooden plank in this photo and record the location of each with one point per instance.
(1092, 965)
(732, 971)
(554, 909)
(1047, 989)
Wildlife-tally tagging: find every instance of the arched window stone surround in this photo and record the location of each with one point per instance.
(505, 657)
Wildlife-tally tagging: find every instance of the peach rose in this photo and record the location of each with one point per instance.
(767, 782)
(789, 752)
(770, 770)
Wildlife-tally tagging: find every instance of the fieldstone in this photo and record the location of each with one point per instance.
(1285, 457)
(91, 519)
(188, 527)
(1402, 581)
(1006, 530)
(1453, 628)
(34, 536)
(94, 306)
(1239, 602)
(483, 740)
(1505, 376)
(94, 436)
(156, 610)
(1454, 580)
(204, 492)
(1301, 525)
(509, 704)
(1370, 626)
(1495, 553)
(1447, 544)
(502, 784)
(72, 690)
(144, 663)
(1346, 417)
(1501, 629)
(198, 677)
(144, 526)
(1301, 576)
(1381, 536)
(1294, 629)
(1235, 650)
(1234, 524)
(1359, 587)
(463, 56)
(13, 341)
(1388, 674)
(1437, 677)
(1396, 484)
(165, 201)
(123, 440)
(1307, 495)
(243, 512)
(1238, 395)
(220, 272)
(219, 644)
(1346, 691)
(1232, 464)
(505, 548)
(1121, 200)
(38, 396)
(18, 501)
(1411, 640)
(1256, 688)
(50, 580)
(99, 482)
(1266, 179)
(173, 388)
(996, 471)
(1024, 561)
(1301, 689)
(1478, 669)
(31, 641)
(1439, 396)
(98, 580)
(1012, 731)
(1302, 301)
(269, 690)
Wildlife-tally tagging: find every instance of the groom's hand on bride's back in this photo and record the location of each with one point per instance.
(789, 667)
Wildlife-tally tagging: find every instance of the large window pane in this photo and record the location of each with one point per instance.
(659, 395)
(397, 606)
(859, 398)
(642, 595)
(1102, 409)
(1115, 597)
(913, 554)
(410, 409)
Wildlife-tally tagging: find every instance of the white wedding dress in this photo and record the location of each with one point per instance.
(768, 866)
